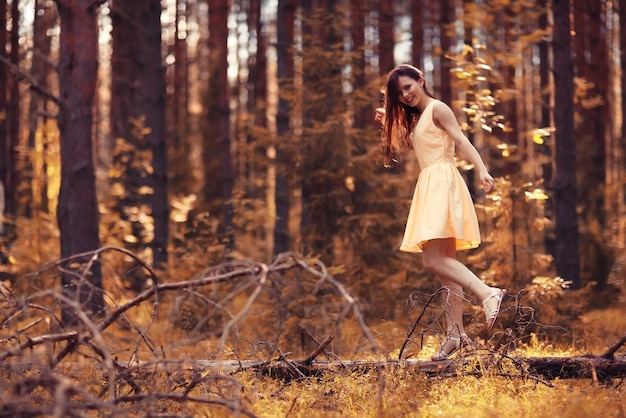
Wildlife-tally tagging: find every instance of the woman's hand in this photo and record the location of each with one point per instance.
(486, 180)
(379, 115)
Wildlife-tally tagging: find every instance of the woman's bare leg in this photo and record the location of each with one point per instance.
(454, 298)
(453, 307)
(440, 259)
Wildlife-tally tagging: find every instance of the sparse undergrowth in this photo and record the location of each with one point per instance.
(148, 354)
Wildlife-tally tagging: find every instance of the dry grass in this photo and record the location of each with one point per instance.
(401, 393)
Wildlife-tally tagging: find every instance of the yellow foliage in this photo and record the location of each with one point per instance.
(536, 194)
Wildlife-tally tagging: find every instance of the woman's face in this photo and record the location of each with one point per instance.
(411, 90)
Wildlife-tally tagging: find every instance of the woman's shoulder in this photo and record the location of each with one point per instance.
(440, 105)
(442, 115)
(441, 110)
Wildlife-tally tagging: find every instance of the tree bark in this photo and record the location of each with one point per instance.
(138, 120)
(324, 146)
(470, 95)
(362, 114)
(43, 21)
(592, 63)
(564, 184)
(546, 120)
(285, 62)
(255, 176)
(621, 163)
(385, 34)
(5, 144)
(13, 116)
(217, 158)
(180, 92)
(447, 38)
(77, 211)
(151, 102)
(417, 31)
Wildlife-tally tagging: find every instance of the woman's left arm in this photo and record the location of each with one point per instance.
(444, 117)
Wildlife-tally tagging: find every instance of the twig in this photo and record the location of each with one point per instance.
(34, 341)
(22, 76)
(318, 350)
(21, 331)
(244, 311)
(356, 310)
(316, 341)
(613, 349)
(417, 321)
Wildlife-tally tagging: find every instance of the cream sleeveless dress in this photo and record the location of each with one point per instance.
(442, 206)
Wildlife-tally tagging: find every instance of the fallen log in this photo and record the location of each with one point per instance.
(593, 367)
(598, 368)
(601, 367)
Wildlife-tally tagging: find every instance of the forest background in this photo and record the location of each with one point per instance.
(151, 142)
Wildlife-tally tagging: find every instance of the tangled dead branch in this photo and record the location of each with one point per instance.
(38, 350)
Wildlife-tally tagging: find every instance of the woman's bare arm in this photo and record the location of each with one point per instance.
(444, 117)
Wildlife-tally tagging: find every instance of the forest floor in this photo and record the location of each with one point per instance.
(151, 355)
(399, 392)
(361, 392)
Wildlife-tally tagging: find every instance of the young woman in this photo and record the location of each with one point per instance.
(442, 218)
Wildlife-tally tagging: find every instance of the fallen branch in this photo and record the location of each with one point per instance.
(611, 351)
(572, 367)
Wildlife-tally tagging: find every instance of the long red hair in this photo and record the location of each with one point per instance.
(400, 119)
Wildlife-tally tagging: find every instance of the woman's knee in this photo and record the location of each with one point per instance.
(432, 262)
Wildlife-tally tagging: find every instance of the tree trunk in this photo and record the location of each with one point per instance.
(510, 106)
(151, 103)
(129, 172)
(285, 61)
(13, 115)
(77, 211)
(217, 158)
(138, 121)
(181, 176)
(255, 177)
(385, 35)
(43, 21)
(470, 95)
(180, 93)
(5, 144)
(362, 114)
(258, 71)
(323, 143)
(621, 164)
(417, 30)
(591, 133)
(546, 121)
(447, 39)
(564, 185)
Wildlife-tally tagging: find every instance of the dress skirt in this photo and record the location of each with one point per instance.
(442, 207)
